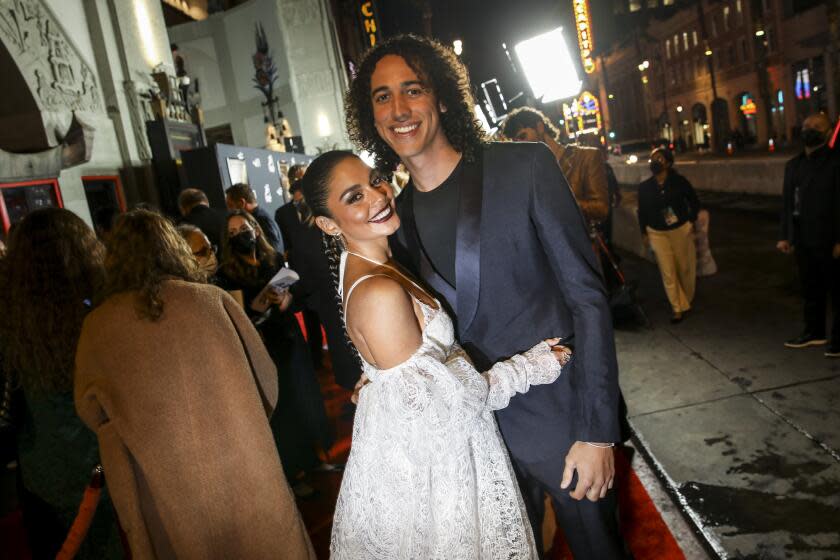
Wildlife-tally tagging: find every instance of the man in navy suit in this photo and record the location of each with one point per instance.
(495, 230)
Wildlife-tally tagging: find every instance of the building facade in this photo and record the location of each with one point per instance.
(86, 80)
(768, 64)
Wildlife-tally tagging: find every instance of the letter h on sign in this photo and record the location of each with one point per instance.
(370, 27)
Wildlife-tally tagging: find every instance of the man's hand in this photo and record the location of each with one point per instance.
(595, 467)
(835, 253)
(784, 247)
(363, 380)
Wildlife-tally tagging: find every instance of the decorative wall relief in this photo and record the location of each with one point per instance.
(55, 71)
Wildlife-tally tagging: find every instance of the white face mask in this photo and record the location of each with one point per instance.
(209, 264)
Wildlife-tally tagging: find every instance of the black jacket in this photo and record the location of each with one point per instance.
(287, 219)
(526, 271)
(270, 229)
(676, 193)
(818, 179)
(209, 220)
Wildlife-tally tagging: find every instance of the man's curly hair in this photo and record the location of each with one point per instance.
(442, 71)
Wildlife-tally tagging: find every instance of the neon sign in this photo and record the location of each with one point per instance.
(748, 105)
(584, 34)
(370, 28)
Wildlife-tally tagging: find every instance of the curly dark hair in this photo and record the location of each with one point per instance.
(52, 271)
(528, 117)
(145, 250)
(232, 264)
(441, 70)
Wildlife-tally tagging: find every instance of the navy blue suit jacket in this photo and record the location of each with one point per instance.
(526, 271)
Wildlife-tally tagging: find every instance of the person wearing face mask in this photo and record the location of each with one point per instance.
(242, 197)
(300, 423)
(667, 209)
(810, 229)
(201, 249)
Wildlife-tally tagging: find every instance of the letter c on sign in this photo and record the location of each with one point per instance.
(366, 9)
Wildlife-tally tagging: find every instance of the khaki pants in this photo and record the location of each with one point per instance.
(676, 256)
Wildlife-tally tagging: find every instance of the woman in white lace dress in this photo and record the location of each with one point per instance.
(428, 474)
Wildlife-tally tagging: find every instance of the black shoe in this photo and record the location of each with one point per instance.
(833, 350)
(676, 318)
(804, 340)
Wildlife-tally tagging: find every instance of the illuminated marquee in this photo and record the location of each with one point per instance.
(584, 33)
(370, 27)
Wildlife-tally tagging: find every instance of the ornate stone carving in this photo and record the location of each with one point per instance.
(47, 59)
(315, 83)
(300, 12)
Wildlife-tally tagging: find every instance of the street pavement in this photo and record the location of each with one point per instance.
(744, 432)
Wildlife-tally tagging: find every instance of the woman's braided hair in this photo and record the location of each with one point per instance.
(315, 186)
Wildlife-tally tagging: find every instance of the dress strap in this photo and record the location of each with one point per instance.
(356, 283)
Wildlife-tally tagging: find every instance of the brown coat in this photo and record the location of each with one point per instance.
(180, 414)
(585, 171)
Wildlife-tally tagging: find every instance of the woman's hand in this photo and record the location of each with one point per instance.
(281, 298)
(562, 353)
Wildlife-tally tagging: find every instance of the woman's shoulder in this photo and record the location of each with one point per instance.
(380, 296)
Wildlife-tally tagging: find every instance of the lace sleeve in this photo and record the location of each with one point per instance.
(428, 403)
(537, 366)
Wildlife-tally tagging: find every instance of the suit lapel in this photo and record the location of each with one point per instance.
(468, 243)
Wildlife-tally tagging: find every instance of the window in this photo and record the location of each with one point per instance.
(713, 25)
(685, 41)
(668, 48)
(635, 5)
(726, 18)
(745, 53)
(732, 55)
(698, 66)
(676, 44)
(739, 11)
(694, 36)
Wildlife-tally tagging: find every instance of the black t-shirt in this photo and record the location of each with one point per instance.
(436, 214)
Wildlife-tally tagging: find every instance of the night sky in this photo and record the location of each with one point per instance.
(483, 25)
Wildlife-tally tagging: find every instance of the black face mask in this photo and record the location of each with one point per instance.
(812, 137)
(656, 166)
(244, 242)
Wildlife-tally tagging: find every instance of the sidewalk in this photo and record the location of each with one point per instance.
(745, 432)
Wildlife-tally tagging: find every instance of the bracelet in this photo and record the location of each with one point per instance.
(600, 445)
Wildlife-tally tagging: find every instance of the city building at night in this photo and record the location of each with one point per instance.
(769, 64)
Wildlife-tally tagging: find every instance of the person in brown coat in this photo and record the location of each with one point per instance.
(177, 385)
(583, 166)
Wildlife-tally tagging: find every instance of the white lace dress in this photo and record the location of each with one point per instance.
(428, 474)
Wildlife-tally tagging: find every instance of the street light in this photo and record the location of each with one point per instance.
(611, 96)
(679, 108)
(759, 33)
(459, 46)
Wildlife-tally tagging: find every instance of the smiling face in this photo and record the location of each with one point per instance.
(405, 109)
(361, 203)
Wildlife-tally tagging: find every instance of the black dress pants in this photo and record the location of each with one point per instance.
(819, 275)
(590, 528)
